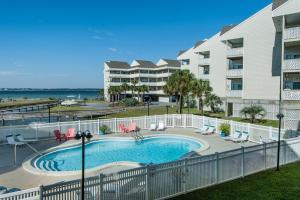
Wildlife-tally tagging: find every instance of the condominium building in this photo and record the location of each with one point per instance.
(249, 63)
(145, 72)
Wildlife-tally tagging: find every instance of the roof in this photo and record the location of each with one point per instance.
(198, 43)
(181, 52)
(277, 3)
(172, 63)
(145, 63)
(227, 28)
(117, 64)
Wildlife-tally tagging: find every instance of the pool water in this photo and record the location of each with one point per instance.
(152, 150)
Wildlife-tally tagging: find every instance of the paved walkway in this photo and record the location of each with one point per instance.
(16, 176)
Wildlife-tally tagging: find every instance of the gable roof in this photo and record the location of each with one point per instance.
(117, 64)
(277, 3)
(227, 28)
(172, 63)
(145, 63)
(181, 52)
(198, 43)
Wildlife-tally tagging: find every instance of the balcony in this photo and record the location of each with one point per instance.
(291, 95)
(235, 52)
(204, 61)
(234, 93)
(204, 76)
(291, 34)
(291, 65)
(235, 73)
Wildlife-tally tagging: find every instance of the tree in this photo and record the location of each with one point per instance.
(253, 112)
(170, 90)
(201, 89)
(134, 82)
(143, 90)
(213, 101)
(180, 81)
(112, 93)
(124, 88)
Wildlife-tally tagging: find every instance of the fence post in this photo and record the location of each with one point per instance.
(243, 161)
(166, 117)
(217, 167)
(192, 120)
(265, 155)
(79, 126)
(203, 121)
(231, 127)
(270, 132)
(173, 120)
(101, 186)
(115, 125)
(145, 122)
(147, 182)
(41, 192)
(184, 175)
(184, 122)
(98, 126)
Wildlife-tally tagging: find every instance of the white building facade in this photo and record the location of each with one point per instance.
(145, 72)
(249, 63)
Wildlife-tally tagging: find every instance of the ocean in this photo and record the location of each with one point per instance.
(49, 93)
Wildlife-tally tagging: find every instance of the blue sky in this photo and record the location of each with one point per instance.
(63, 44)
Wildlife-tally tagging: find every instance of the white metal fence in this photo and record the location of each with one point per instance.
(170, 179)
(256, 132)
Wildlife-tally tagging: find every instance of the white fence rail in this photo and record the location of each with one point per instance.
(171, 121)
(170, 179)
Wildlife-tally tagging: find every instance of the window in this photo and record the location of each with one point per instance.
(236, 84)
(235, 64)
(292, 85)
(185, 62)
(206, 70)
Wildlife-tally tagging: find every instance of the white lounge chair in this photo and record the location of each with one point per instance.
(244, 138)
(161, 126)
(11, 140)
(20, 138)
(152, 127)
(210, 130)
(236, 135)
(201, 130)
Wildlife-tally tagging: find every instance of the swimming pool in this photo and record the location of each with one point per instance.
(152, 150)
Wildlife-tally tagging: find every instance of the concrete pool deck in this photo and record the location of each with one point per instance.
(16, 176)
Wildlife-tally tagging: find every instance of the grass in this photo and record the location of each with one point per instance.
(268, 185)
(142, 111)
(23, 102)
(70, 108)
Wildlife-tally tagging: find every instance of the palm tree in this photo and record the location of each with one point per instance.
(143, 90)
(213, 101)
(180, 81)
(112, 93)
(134, 82)
(124, 88)
(169, 89)
(201, 89)
(253, 111)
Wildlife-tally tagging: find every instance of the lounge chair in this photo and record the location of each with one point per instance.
(11, 140)
(210, 130)
(132, 127)
(70, 133)
(3, 190)
(20, 138)
(201, 130)
(59, 136)
(265, 140)
(122, 128)
(236, 135)
(161, 126)
(244, 138)
(152, 127)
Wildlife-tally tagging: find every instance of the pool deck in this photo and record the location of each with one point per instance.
(16, 176)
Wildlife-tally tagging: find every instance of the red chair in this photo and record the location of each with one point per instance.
(122, 128)
(132, 127)
(70, 133)
(59, 136)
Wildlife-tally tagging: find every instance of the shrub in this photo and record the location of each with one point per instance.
(225, 128)
(129, 102)
(253, 112)
(104, 129)
(291, 134)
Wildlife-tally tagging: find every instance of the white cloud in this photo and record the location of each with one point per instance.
(96, 37)
(112, 49)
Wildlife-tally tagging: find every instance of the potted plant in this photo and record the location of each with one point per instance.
(104, 129)
(224, 129)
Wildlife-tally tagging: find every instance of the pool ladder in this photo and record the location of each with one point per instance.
(137, 136)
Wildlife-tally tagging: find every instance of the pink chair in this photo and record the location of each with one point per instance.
(132, 127)
(122, 128)
(59, 136)
(70, 133)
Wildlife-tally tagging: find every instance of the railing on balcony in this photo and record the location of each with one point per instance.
(291, 95)
(292, 33)
(204, 76)
(235, 52)
(291, 65)
(234, 93)
(235, 73)
(204, 61)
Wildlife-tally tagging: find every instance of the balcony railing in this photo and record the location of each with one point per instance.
(291, 65)
(235, 73)
(204, 61)
(292, 33)
(204, 76)
(291, 95)
(235, 52)
(234, 93)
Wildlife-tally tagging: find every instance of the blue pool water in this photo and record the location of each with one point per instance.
(153, 150)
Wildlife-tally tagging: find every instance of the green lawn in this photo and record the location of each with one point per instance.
(23, 102)
(269, 185)
(136, 112)
(70, 108)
